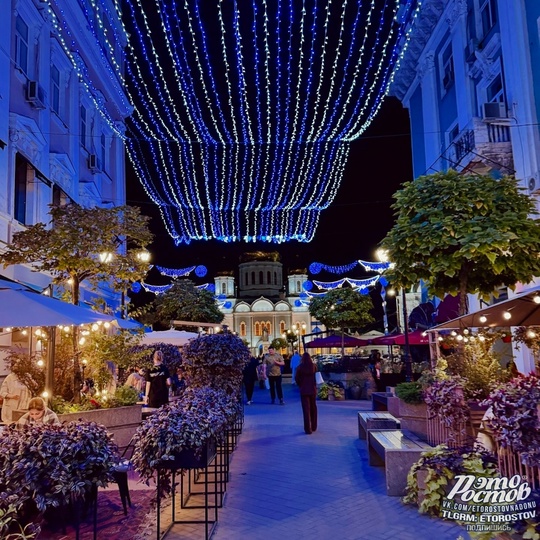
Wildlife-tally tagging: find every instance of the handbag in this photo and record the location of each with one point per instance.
(318, 378)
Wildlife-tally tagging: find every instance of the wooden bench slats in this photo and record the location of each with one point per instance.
(375, 420)
(397, 451)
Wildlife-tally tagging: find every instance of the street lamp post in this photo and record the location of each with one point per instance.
(382, 255)
(407, 351)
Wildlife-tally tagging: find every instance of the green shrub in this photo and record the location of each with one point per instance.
(410, 392)
(125, 396)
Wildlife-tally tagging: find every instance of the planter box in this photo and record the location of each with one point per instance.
(414, 418)
(190, 459)
(122, 422)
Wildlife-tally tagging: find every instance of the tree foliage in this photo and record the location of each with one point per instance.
(463, 234)
(184, 302)
(342, 308)
(69, 246)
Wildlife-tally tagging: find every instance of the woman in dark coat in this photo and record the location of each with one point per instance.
(305, 379)
(250, 377)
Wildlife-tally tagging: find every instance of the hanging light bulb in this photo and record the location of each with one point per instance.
(483, 319)
(507, 315)
(40, 363)
(536, 298)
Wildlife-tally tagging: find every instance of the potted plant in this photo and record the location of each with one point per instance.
(412, 408)
(215, 360)
(323, 391)
(45, 466)
(193, 424)
(514, 422)
(445, 400)
(429, 479)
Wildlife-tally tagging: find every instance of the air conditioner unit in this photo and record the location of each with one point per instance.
(93, 163)
(496, 109)
(35, 94)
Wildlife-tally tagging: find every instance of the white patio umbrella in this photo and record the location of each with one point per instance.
(173, 337)
(21, 306)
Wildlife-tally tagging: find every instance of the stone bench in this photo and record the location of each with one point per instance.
(375, 420)
(397, 451)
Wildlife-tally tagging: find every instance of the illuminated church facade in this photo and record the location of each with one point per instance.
(260, 303)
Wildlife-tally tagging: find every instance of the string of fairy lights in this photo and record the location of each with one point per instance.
(243, 111)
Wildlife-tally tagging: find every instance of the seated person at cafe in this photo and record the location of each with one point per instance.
(38, 413)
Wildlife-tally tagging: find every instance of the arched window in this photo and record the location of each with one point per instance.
(243, 330)
(258, 331)
(281, 327)
(275, 278)
(269, 277)
(261, 278)
(298, 287)
(268, 326)
(253, 278)
(223, 288)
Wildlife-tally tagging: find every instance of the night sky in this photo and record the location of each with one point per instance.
(350, 229)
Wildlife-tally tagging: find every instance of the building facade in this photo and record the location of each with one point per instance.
(470, 79)
(62, 112)
(260, 305)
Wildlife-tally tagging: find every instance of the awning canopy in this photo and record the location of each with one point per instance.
(21, 306)
(173, 337)
(336, 340)
(522, 310)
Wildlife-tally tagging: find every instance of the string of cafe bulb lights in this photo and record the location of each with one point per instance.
(244, 111)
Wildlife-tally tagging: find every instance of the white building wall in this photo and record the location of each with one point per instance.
(50, 139)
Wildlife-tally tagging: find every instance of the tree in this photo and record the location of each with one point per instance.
(463, 234)
(84, 244)
(70, 248)
(183, 301)
(342, 308)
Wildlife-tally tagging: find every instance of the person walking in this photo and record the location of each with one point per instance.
(158, 381)
(295, 362)
(305, 379)
(273, 363)
(250, 376)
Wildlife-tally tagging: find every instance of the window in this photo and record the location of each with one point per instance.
(21, 44)
(447, 67)
(21, 189)
(83, 126)
(282, 327)
(495, 91)
(261, 278)
(275, 278)
(243, 330)
(253, 278)
(488, 14)
(298, 286)
(258, 329)
(60, 198)
(55, 89)
(268, 277)
(223, 288)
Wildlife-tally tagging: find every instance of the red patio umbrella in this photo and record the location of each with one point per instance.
(417, 337)
(335, 340)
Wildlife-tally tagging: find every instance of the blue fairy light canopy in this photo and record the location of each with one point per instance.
(243, 111)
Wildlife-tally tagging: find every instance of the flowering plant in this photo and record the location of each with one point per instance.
(515, 422)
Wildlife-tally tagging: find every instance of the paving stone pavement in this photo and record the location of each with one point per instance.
(285, 484)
